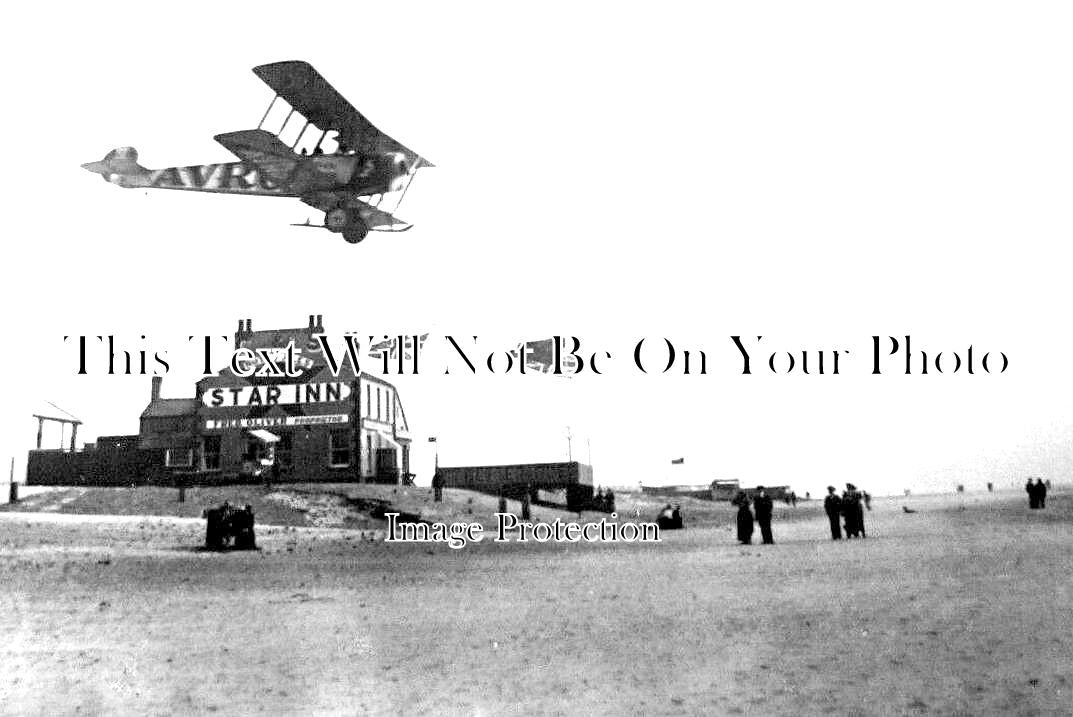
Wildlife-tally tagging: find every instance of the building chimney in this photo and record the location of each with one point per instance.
(320, 322)
(311, 323)
(240, 324)
(157, 380)
(249, 324)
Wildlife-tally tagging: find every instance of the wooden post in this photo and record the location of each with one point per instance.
(74, 432)
(13, 496)
(40, 430)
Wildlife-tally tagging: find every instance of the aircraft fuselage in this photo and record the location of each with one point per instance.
(359, 175)
(228, 177)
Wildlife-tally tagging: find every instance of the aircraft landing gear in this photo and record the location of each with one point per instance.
(356, 232)
(348, 222)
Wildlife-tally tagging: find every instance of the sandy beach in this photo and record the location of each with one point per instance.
(957, 608)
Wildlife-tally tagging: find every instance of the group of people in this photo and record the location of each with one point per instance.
(1037, 493)
(849, 507)
(846, 508)
(604, 500)
(762, 505)
(229, 527)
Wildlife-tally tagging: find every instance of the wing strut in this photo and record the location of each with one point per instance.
(300, 133)
(270, 106)
(402, 195)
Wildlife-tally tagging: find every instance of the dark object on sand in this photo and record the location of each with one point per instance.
(670, 518)
(229, 528)
(907, 509)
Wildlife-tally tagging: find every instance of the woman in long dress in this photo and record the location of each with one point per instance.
(851, 508)
(745, 519)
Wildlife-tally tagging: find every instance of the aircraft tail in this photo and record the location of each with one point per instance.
(120, 166)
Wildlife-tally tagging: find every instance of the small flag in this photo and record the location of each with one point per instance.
(432, 439)
(677, 461)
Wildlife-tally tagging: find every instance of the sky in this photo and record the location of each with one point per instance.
(814, 174)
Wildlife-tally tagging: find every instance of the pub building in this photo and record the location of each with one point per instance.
(313, 427)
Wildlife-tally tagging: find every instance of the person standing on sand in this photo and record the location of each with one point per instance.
(437, 487)
(851, 508)
(1033, 499)
(1041, 493)
(745, 519)
(832, 505)
(763, 506)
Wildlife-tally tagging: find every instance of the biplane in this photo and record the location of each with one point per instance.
(338, 162)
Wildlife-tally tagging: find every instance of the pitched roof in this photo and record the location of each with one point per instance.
(170, 407)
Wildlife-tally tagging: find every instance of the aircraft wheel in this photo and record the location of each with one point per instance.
(356, 231)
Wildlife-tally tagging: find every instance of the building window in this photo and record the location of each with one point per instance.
(210, 453)
(178, 457)
(378, 403)
(339, 449)
(253, 450)
(284, 450)
(368, 401)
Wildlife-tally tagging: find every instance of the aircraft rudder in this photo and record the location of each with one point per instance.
(120, 167)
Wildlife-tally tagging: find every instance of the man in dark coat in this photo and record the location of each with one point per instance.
(437, 487)
(745, 519)
(1041, 493)
(763, 506)
(1033, 498)
(676, 517)
(832, 505)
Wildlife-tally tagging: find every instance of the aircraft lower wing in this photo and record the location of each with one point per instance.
(263, 149)
(379, 220)
(376, 219)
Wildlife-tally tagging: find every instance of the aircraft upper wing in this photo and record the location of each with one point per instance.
(262, 148)
(306, 91)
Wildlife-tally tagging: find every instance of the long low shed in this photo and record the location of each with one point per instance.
(516, 480)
